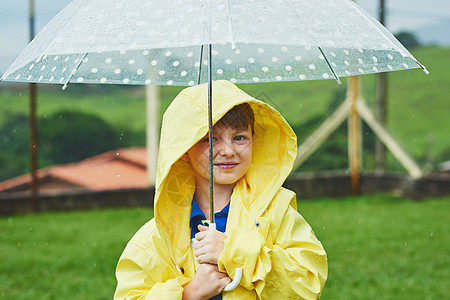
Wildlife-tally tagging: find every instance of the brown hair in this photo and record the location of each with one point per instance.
(239, 117)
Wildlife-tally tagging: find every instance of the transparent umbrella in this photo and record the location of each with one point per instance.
(187, 42)
(161, 42)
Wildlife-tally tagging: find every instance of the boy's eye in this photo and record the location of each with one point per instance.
(206, 140)
(240, 138)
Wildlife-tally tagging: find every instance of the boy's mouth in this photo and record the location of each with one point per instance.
(226, 165)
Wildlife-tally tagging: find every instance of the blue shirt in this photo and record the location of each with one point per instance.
(198, 217)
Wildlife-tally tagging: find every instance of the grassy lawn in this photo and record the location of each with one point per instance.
(378, 248)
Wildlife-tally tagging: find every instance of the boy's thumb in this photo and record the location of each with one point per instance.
(202, 227)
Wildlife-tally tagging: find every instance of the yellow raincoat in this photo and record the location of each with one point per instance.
(266, 237)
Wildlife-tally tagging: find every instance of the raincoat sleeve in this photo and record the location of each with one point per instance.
(279, 254)
(144, 272)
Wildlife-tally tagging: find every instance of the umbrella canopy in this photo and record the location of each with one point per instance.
(161, 42)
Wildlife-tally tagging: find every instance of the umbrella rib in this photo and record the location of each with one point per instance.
(329, 65)
(233, 43)
(74, 71)
(200, 66)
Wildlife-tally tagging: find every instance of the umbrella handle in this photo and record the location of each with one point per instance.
(237, 273)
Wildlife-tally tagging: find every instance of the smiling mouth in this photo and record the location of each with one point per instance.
(226, 165)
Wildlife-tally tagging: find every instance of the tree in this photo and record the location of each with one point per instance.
(408, 39)
(70, 136)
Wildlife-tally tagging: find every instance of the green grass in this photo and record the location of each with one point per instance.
(378, 248)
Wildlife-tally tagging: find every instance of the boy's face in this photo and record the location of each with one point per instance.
(232, 150)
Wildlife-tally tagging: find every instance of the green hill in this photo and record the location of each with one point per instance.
(417, 111)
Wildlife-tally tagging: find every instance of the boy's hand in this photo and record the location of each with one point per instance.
(207, 283)
(210, 245)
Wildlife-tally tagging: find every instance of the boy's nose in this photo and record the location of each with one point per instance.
(226, 149)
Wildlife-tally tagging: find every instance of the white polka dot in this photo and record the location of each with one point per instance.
(325, 75)
(145, 52)
(233, 80)
(375, 69)
(298, 57)
(42, 68)
(190, 83)
(228, 61)
(53, 69)
(251, 60)
(260, 50)
(288, 68)
(52, 78)
(67, 59)
(148, 81)
(162, 72)
(374, 59)
(176, 63)
(361, 50)
(140, 71)
(390, 67)
(215, 52)
(255, 79)
(117, 71)
(237, 51)
(274, 59)
(31, 67)
(154, 62)
(242, 70)
(56, 58)
(284, 49)
(219, 71)
(279, 78)
(80, 79)
(334, 64)
(64, 69)
(308, 48)
(312, 67)
(197, 64)
(301, 77)
(361, 70)
(85, 60)
(346, 52)
(321, 56)
(103, 80)
(74, 71)
(29, 77)
(190, 54)
(333, 54)
(170, 82)
(347, 72)
(108, 60)
(183, 73)
(265, 69)
(360, 61)
(405, 66)
(168, 53)
(131, 61)
(346, 63)
(17, 77)
(123, 51)
(94, 70)
(390, 56)
(126, 80)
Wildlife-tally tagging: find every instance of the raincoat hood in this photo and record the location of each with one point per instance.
(186, 122)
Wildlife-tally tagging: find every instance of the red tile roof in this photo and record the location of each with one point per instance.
(114, 170)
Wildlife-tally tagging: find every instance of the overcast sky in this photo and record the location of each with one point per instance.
(401, 15)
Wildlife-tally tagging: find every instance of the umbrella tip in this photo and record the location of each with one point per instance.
(426, 71)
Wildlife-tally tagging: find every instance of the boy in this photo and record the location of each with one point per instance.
(254, 149)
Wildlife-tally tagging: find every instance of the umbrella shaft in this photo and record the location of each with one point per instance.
(210, 135)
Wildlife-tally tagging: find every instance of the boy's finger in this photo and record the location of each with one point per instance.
(200, 235)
